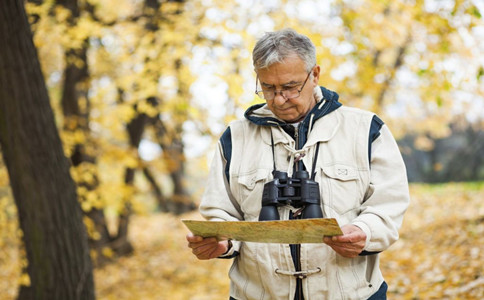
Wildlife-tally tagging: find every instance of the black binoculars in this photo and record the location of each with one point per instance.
(298, 191)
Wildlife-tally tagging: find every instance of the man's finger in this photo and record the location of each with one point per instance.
(193, 238)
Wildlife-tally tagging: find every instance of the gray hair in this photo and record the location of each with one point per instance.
(276, 46)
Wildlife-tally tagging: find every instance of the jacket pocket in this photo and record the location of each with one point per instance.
(353, 277)
(342, 188)
(250, 186)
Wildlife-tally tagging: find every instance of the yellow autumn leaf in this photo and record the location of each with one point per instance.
(24, 279)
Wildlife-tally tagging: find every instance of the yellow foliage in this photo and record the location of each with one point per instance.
(12, 257)
(91, 228)
(148, 109)
(171, 8)
(125, 113)
(24, 279)
(112, 10)
(86, 206)
(85, 173)
(423, 143)
(62, 14)
(127, 60)
(107, 252)
(235, 83)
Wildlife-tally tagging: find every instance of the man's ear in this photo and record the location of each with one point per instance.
(316, 71)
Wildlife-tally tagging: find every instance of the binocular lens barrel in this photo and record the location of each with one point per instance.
(269, 213)
(312, 211)
(298, 191)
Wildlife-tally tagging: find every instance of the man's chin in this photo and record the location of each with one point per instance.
(290, 118)
(289, 115)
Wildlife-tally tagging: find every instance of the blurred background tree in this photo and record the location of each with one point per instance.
(59, 265)
(142, 89)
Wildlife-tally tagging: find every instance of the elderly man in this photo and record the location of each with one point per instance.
(351, 155)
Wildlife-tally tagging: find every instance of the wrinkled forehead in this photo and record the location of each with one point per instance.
(292, 62)
(287, 72)
(276, 58)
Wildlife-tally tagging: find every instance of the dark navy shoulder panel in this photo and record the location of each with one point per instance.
(226, 142)
(329, 95)
(376, 124)
(259, 120)
(318, 111)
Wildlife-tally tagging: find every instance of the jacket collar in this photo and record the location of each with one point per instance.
(260, 114)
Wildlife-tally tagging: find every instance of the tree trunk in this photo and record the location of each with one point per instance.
(76, 118)
(160, 199)
(173, 154)
(379, 103)
(45, 194)
(135, 131)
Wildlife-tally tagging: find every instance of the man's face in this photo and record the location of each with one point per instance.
(290, 73)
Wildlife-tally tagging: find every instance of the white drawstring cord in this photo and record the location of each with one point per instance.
(299, 274)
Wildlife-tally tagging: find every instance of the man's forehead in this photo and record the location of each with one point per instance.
(290, 66)
(282, 77)
(288, 83)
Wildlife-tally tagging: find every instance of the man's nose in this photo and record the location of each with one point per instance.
(279, 98)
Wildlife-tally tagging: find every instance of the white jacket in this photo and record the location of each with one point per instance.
(372, 195)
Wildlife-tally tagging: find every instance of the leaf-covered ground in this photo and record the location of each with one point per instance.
(162, 266)
(440, 255)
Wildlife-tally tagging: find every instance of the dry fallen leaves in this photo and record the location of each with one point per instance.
(439, 255)
(162, 266)
(441, 251)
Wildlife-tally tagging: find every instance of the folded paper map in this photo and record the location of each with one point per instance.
(282, 232)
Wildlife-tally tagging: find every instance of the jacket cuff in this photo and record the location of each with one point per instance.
(233, 250)
(366, 230)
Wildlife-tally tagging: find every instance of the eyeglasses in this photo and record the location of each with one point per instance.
(288, 93)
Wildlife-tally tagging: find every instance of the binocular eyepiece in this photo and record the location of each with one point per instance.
(298, 191)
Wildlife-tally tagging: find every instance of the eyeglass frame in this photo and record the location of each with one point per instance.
(276, 92)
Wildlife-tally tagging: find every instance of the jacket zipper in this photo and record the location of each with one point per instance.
(296, 137)
(299, 292)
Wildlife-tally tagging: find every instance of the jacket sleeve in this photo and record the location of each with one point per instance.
(217, 202)
(387, 197)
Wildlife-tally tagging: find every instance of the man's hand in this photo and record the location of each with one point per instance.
(350, 244)
(206, 248)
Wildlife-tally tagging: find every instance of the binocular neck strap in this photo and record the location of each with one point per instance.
(273, 153)
(315, 159)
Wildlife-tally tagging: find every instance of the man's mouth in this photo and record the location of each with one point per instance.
(284, 109)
